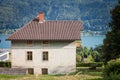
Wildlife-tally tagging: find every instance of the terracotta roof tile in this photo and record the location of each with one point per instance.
(48, 30)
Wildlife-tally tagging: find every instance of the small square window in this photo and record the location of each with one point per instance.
(45, 56)
(44, 71)
(30, 71)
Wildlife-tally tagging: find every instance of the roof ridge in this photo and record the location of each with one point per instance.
(63, 20)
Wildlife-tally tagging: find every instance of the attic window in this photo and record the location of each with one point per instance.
(45, 42)
(29, 42)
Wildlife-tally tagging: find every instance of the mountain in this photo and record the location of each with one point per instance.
(95, 14)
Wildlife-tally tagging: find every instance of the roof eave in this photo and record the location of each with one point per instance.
(43, 39)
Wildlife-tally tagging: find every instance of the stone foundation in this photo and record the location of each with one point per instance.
(13, 71)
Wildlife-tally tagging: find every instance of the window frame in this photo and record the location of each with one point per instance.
(30, 42)
(45, 56)
(29, 55)
(44, 71)
(30, 70)
(45, 42)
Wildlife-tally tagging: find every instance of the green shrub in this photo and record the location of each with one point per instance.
(112, 70)
(112, 76)
(5, 64)
(95, 64)
(78, 58)
(90, 59)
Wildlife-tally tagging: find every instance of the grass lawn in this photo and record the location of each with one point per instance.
(81, 74)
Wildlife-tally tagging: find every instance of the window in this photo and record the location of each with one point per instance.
(29, 55)
(44, 71)
(45, 42)
(30, 42)
(45, 56)
(30, 71)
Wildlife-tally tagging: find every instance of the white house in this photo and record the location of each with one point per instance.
(46, 46)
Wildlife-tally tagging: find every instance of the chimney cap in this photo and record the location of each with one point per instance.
(41, 12)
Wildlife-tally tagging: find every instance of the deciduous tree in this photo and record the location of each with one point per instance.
(111, 47)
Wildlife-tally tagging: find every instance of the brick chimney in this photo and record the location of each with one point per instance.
(41, 17)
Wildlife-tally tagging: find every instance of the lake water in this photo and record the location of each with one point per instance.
(89, 41)
(3, 42)
(92, 41)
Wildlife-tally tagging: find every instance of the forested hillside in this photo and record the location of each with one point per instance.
(95, 14)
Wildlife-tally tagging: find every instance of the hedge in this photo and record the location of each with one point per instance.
(96, 64)
(112, 70)
(5, 64)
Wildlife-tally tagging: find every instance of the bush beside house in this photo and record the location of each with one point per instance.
(112, 70)
(5, 64)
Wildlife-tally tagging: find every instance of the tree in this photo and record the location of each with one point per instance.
(84, 52)
(99, 52)
(111, 47)
(99, 48)
(80, 51)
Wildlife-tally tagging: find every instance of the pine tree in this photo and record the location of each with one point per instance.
(111, 47)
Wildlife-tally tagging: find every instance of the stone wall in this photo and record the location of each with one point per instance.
(13, 71)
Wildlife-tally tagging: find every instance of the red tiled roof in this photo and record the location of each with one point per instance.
(48, 30)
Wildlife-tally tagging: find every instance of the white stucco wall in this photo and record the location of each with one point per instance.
(62, 56)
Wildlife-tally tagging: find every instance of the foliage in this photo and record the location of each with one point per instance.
(97, 64)
(78, 58)
(96, 79)
(5, 64)
(113, 77)
(112, 70)
(90, 58)
(83, 52)
(99, 48)
(99, 51)
(89, 54)
(112, 42)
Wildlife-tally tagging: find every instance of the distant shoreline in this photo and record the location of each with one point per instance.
(93, 35)
(83, 33)
(89, 41)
